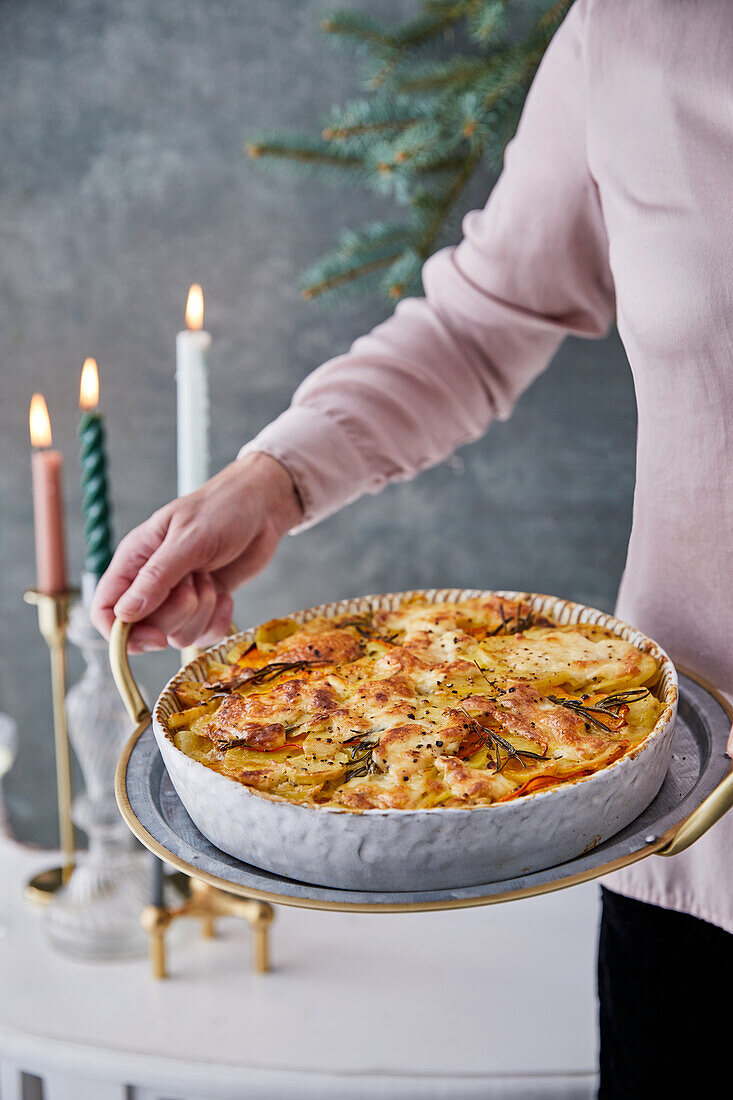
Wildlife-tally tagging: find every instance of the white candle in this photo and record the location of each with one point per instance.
(192, 387)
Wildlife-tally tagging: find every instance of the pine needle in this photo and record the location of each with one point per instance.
(433, 116)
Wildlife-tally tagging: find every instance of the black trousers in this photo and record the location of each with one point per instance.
(665, 986)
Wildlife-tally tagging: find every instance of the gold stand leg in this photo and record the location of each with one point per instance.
(206, 903)
(155, 921)
(208, 928)
(261, 948)
(53, 614)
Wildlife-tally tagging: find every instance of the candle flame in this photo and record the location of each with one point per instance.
(40, 422)
(195, 308)
(89, 386)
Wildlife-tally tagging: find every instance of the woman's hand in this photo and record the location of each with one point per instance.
(173, 574)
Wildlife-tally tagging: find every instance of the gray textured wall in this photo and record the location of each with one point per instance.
(122, 180)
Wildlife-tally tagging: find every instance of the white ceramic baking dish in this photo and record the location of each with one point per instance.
(407, 850)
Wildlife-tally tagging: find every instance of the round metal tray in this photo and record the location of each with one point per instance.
(697, 773)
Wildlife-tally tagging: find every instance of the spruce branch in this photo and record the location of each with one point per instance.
(437, 19)
(432, 77)
(445, 204)
(326, 278)
(366, 118)
(357, 255)
(355, 27)
(489, 21)
(432, 117)
(303, 154)
(404, 276)
(553, 17)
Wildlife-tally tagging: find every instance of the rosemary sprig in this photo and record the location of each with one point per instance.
(362, 756)
(610, 707)
(488, 681)
(262, 675)
(586, 713)
(223, 745)
(494, 742)
(621, 698)
(366, 628)
(507, 626)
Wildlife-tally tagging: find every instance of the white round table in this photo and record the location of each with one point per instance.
(488, 1002)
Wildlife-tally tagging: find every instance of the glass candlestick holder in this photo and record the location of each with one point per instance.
(96, 916)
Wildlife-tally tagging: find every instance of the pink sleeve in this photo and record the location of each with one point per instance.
(531, 268)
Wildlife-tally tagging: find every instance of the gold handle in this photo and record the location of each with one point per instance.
(136, 706)
(717, 803)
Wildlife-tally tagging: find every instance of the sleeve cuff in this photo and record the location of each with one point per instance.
(327, 469)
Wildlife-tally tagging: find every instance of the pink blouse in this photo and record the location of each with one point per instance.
(615, 200)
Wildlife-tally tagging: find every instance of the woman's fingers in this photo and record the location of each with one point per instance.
(146, 639)
(187, 631)
(155, 632)
(178, 608)
(209, 621)
(156, 580)
(195, 612)
(129, 558)
(220, 623)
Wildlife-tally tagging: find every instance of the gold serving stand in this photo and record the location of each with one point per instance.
(206, 902)
(211, 895)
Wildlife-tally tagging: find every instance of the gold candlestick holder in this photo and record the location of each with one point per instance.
(199, 899)
(53, 617)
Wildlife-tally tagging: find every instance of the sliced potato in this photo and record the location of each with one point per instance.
(237, 651)
(306, 770)
(191, 693)
(269, 634)
(217, 673)
(193, 744)
(183, 718)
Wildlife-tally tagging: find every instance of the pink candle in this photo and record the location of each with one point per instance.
(48, 504)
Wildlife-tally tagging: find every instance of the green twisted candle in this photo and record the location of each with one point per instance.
(95, 497)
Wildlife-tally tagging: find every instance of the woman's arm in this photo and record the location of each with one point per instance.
(531, 268)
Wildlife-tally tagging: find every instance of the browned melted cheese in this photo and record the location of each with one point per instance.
(428, 705)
